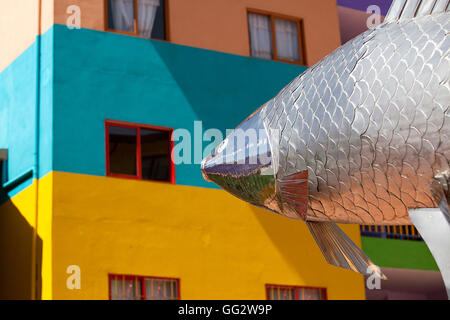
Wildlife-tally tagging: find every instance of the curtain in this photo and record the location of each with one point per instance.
(122, 289)
(122, 13)
(309, 294)
(156, 289)
(287, 40)
(260, 36)
(146, 16)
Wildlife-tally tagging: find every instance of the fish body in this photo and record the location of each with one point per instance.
(361, 137)
(370, 124)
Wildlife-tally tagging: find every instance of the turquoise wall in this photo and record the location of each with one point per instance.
(100, 75)
(18, 105)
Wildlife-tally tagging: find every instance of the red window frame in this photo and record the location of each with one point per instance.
(138, 127)
(271, 286)
(141, 279)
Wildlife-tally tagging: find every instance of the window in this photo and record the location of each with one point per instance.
(122, 287)
(277, 292)
(144, 18)
(139, 152)
(276, 37)
(1, 173)
(407, 232)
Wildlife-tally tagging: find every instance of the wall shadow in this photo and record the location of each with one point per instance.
(295, 243)
(16, 245)
(223, 89)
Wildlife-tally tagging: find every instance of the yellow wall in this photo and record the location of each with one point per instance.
(222, 25)
(220, 247)
(45, 234)
(19, 26)
(18, 241)
(17, 222)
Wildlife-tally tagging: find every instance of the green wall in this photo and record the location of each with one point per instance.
(395, 253)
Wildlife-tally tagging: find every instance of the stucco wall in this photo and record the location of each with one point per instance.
(26, 86)
(222, 25)
(101, 75)
(19, 26)
(26, 242)
(219, 246)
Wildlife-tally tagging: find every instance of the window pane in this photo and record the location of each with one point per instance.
(125, 289)
(3, 172)
(286, 35)
(2, 175)
(295, 293)
(122, 150)
(161, 289)
(155, 148)
(260, 36)
(310, 294)
(121, 15)
(151, 18)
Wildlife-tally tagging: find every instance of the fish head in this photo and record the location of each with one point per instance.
(242, 164)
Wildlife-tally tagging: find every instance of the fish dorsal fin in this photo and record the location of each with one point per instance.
(340, 251)
(408, 9)
(294, 192)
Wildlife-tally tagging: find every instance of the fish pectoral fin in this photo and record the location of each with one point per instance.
(339, 250)
(294, 192)
(438, 190)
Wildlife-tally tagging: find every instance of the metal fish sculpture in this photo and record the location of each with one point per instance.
(361, 137)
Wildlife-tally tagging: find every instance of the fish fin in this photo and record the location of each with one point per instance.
(339, 250)
(294, 191)
(408, 9)
(438, 191)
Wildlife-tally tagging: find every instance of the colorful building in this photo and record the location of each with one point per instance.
(93, 207)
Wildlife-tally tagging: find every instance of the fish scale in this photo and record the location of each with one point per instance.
(361, 137)
(370, 123)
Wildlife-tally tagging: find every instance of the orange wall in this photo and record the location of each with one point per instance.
(222, 25)
(92, 13)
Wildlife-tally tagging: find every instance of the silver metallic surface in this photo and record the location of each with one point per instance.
(346, 253)
(370, 123)
(242, 164)
(434, 227)
(360, 137)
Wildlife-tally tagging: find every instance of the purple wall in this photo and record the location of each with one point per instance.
(353, 16)
(406, 284)
(362, 5)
